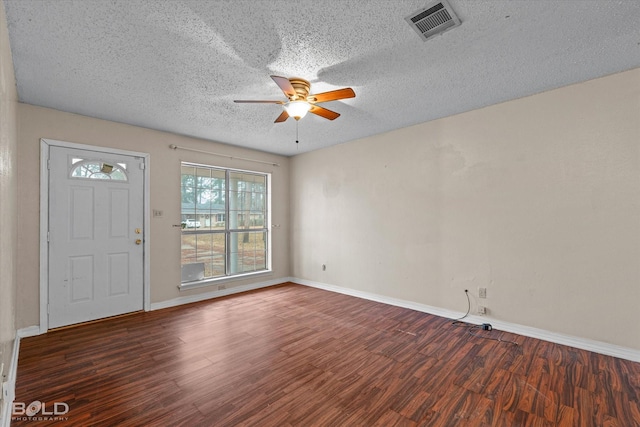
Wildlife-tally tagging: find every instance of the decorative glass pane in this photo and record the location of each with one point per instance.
(94, 169)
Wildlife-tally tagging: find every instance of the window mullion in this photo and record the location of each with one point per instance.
(227, 235)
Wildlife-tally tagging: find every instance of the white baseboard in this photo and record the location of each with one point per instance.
(568, 340)
(218, 293)
(9, 386)
(381, 298)
(30, 331)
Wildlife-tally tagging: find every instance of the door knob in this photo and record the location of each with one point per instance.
(138, 241)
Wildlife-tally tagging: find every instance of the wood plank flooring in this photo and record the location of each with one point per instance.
(291, 355)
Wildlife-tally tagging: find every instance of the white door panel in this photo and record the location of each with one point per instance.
(96, 234)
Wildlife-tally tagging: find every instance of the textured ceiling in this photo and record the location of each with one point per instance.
(177, 66)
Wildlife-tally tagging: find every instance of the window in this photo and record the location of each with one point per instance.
(95, 169)
(224, 222)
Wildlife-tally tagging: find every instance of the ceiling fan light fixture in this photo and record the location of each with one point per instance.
(299, 102)
(297, 109)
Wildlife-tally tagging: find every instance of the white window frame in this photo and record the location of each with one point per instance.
(267, 230)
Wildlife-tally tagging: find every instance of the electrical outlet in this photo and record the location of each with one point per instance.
(482, 309)
(482, 292)
(324, 267)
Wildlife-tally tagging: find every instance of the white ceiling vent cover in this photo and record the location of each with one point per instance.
(434, 19)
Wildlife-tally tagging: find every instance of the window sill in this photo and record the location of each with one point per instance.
(222, 280)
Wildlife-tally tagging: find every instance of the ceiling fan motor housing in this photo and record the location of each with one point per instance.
(301, 86)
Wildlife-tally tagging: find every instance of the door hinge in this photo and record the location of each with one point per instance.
(48, 164)
(141, 165)
(48, 311)
(48, 236)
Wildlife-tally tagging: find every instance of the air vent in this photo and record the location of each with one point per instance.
(434, 19)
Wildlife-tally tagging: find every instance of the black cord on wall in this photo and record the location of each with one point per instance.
(457, 322)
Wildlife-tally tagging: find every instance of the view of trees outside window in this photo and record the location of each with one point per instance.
(224, 217)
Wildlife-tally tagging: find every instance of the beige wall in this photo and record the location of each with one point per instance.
(8, 194)
(536, 199)
(36, 122)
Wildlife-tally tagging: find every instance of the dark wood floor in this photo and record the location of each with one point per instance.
(297, 356)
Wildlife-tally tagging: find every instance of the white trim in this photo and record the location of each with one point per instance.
(187, 286)
(219, 293)
(269, 224)
(5, 411)
(30, 331)
(45, 144)
(146, 221)
(381, 298)
(44, 229)
(5, 416)
(568, 340)
(8, 388)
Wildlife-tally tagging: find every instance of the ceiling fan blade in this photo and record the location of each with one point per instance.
(252, 101)
(282, 117)
(285, 85)
(333, 95)
(323, 112)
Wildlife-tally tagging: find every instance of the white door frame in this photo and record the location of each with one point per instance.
(45, 145)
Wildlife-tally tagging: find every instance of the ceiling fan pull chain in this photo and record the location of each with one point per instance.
(297, 134)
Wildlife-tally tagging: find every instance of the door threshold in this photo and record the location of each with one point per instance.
(90, 322)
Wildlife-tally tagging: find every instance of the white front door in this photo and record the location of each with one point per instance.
(96, 233)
